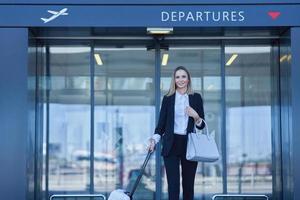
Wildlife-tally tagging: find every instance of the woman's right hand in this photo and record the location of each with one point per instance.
(151, 146)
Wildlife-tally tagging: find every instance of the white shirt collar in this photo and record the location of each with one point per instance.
(181, 95)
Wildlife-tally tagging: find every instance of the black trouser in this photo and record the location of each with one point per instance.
(188, 170)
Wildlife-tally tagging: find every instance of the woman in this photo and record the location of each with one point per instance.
(181, 111)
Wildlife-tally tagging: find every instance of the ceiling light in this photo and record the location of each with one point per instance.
(283, 58)
(248, 49)
(159, 31)
(230, 61)
(165, 59)
(98, 59)
(210, 87)
(69, 50)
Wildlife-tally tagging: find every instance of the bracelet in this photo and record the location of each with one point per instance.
(198, 122)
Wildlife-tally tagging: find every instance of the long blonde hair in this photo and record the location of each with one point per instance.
(173, 87)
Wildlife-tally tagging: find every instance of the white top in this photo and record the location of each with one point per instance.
(180, 116)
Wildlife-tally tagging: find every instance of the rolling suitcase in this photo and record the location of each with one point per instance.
(120, 194)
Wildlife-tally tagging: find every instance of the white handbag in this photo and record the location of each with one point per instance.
(202, 147)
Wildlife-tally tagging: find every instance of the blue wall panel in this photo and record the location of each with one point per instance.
(13, 113)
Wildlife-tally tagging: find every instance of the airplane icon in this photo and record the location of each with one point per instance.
(55, 14)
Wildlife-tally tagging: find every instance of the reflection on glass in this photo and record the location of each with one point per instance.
(248, 110)
(124, 119)
(69, 119)
(205, 66)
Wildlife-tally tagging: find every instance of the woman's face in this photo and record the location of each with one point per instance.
(181, 79)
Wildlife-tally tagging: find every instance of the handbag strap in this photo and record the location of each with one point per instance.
(206, 128)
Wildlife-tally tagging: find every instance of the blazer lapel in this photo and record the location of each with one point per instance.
(172, 104)
(190, 126)
(172, 110)
(191, 100)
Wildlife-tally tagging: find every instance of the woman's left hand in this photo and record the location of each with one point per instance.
(191, 112)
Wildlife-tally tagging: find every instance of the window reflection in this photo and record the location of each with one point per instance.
(248, 117)
(69, 148)
(124, 119)
(69, 119)
(212, 83)
(129, 83)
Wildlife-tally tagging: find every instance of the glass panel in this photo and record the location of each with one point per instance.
(124, 118)
(69, 118)
(204, 64)
(248, 120)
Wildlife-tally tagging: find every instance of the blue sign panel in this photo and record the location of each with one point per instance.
(149, 16)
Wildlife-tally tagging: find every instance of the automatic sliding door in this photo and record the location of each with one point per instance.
(123, 102)
(69, 119)
(249, 94)
(124, 118)
(204, 64)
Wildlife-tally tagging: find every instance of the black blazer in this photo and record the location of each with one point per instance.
(165, 125)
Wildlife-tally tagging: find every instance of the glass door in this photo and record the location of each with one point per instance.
(124, 118)
(204, 63)
(67, 119)
(100, 101)
(98, 114)
(250, 95)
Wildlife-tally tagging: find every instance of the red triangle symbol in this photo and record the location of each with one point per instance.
(274, 14)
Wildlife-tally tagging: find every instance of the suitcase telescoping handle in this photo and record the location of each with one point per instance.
(140, 174)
